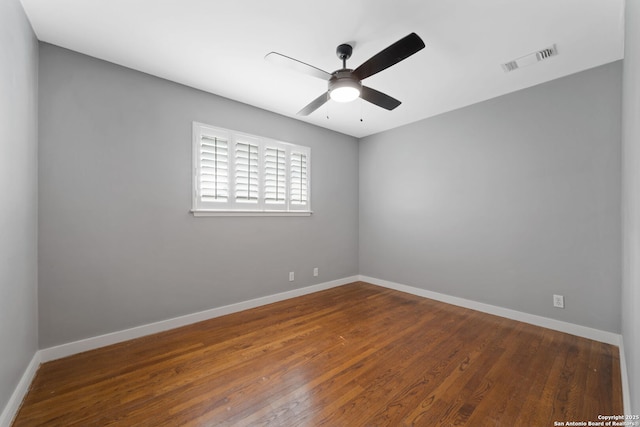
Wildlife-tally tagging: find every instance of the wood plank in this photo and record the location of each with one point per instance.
(353, 355)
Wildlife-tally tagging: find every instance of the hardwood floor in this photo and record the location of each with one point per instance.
(357, 355)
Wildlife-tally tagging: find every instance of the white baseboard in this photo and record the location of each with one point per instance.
(624, 376)
(545, 322)
(11, 409)
(80, 346)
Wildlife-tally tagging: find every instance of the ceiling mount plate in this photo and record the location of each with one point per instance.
(344, 51)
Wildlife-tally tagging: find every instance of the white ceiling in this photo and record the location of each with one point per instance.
(218, 46)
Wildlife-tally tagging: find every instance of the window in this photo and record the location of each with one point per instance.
(240, 174)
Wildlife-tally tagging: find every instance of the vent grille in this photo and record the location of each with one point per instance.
(530, 59)
(510, 66)
(546, 53)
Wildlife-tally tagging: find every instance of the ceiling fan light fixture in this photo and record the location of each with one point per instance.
(344, 89)
(345, 94)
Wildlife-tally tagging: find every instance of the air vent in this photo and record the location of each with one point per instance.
(530, 59)
(510, 66)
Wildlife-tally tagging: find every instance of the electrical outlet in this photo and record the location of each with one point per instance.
(558, 301)
(292, 276)
(315, 272)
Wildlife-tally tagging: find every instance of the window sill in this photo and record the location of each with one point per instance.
(205, 212)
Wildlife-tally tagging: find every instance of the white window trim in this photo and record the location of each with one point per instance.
(233, 207)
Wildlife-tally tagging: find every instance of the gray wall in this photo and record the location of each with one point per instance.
(18, 195)
(118, 246)
(631, 201)
(505, 202)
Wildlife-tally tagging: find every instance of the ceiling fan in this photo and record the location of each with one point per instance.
(345, 84)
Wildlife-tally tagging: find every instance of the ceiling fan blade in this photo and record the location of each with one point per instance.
(294, 64)
(314, 105)
(378, 98)
(395, 53)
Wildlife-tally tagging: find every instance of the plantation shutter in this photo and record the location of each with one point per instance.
(213, 184)
(246, 172)
(299, 179)
(237, 174)
(275, 176)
